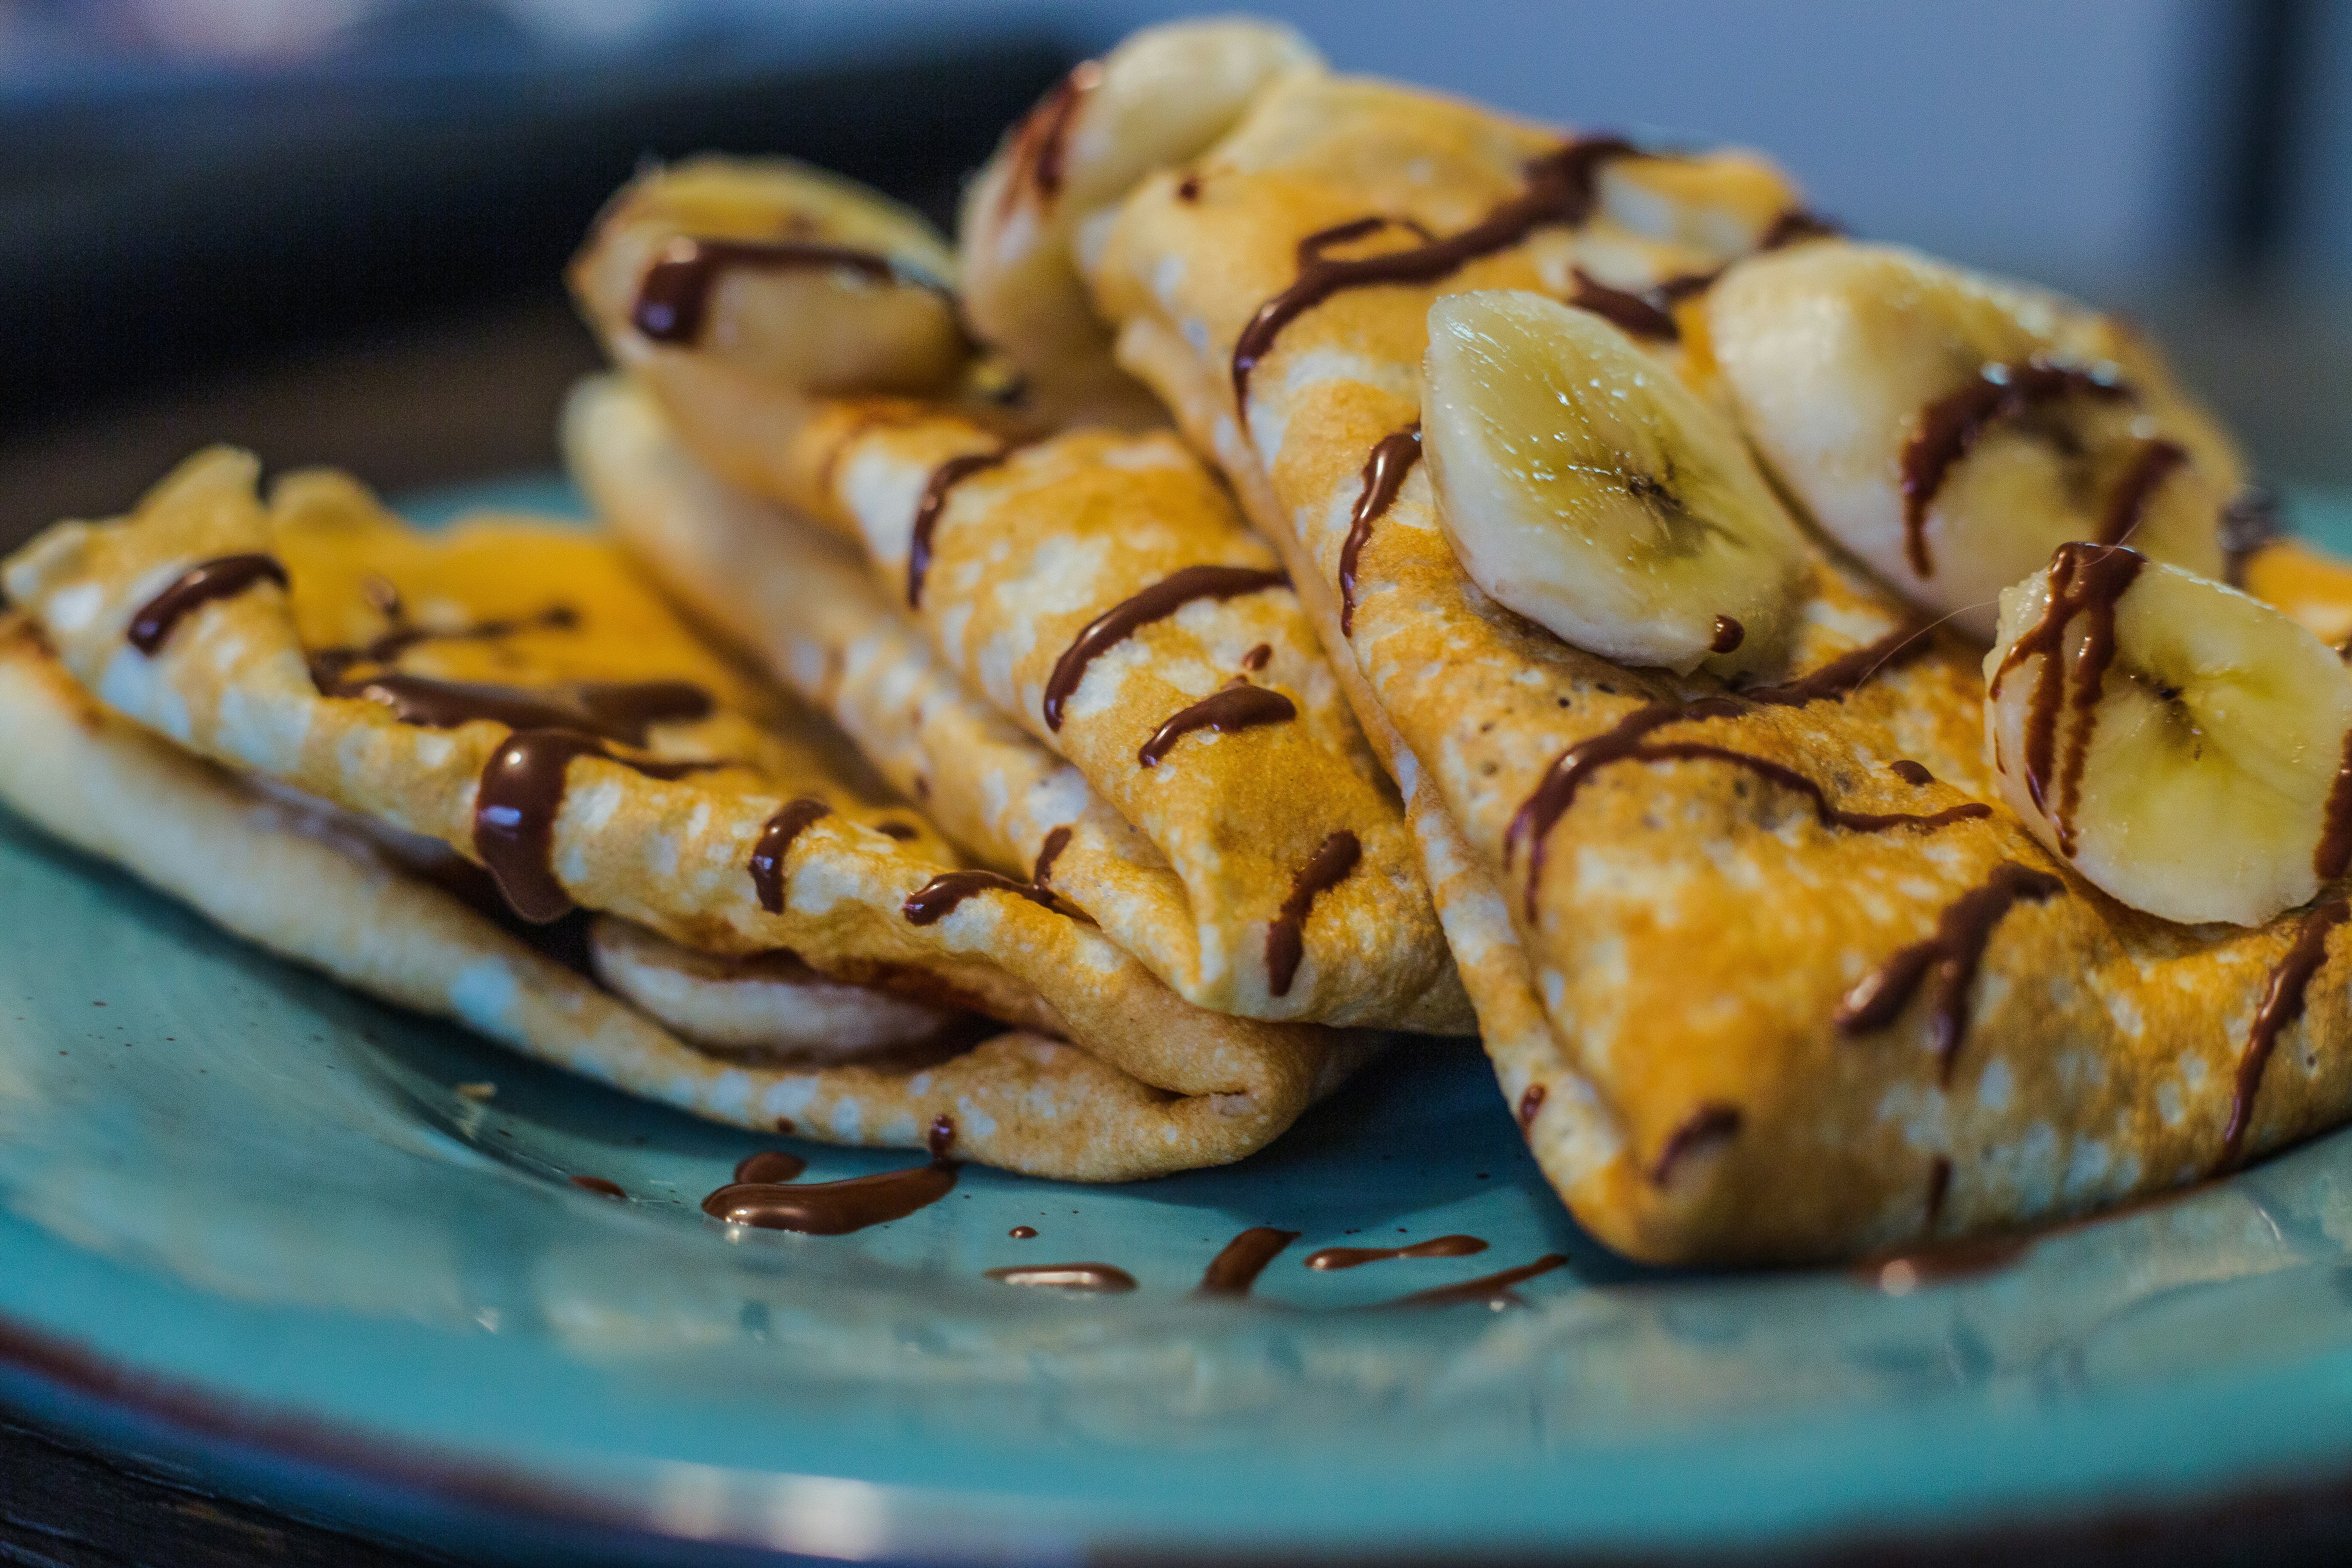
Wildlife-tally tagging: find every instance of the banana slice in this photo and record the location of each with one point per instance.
(1952, 429)
(2181, 742)
(1587, 489)
(803, 280)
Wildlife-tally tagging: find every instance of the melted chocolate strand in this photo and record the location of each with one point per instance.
(767, 863)
(600, 1187)
(769, 1166)
(1384, 475)
(222, 578)
(1356, 1257)
(2127, 508)
(1049, 852)
(1562, 186)
(1235, 1268)
(1496, 1287)
(832, 1208)
(1236, 707)
(611, 711)
(1910, 772)
(673, 302)
(1530, 1103)
(1951, 424)
(1844, 674)
(2249, 522)
(1285, 938)
(937, 898)
(1639, 316)
(1157, 602)
(1041, 142)
(2282, 1004)
(328, 664)
(516, 805)
(1707, 1124)
(1951, 957)
(2335, 837)
(1093, 1278)
(2086, 580)
(944, 478)
(1728, 635)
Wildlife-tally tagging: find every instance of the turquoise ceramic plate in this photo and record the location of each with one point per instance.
(248, 1227)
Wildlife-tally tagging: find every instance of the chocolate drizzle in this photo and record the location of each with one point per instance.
(2249, 522)
(1562, 187)
(328, 665)
(224, 577)
(1728, 635)
(1356, 1257)
(1122, 620)
(1041, 142)
(1639, 315)
(1707, 1124)
(1236, 1267)
(937, 898)
(1843, 675)
(2282, 1004)
(1049, 852)
(1286, 937)
(1234, 708)
(1910, 772)
(1493, 1289)
(1951, 424)
(1950, 957)
(769, 1166)
(1530, 1104)
(1094, 1278)
(621, 710)
(767, 863)
(934, 501)
(673, 303)
(832, 1208)
(2127, 508)
(2085, 581)
(1384, 475)
(516, 805)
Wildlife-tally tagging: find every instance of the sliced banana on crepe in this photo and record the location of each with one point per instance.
(2181, 743)
(798, 277)
(1587, 489)
(1951, 429)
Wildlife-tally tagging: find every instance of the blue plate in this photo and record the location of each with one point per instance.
(248, 1229)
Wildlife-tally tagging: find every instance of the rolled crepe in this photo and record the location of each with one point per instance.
(514, 694)
(1658, 960)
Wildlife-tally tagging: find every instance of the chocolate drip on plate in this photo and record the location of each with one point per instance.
(2282, 1004)
(1157, 602)
(1236, 707)
(1639, 315)
(673, 303)
(600, 1187)
(934, 501)
(770, 1166)
(937, 898)
(2085, 581)
(515, 806)
(1022, 1233)
(2127, 508)
(224, 577)
(1356, 1257)
(832, 1208)
(1951, 424)
(767, 863)
(1950, 958)
(1494, 1289)
(1235, 1268)
(1707, 1124)
(1285, 938)
(1384, 476)
(1092, 1277)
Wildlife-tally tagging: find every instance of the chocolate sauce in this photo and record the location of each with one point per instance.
(1236, 707)
(1384, 474)
(610, 710)
(2127, 508)
(832, 1208)
(1950, 957)
(673, 302)
(600, 1187)
(1490, 1288)
(1122, 620)
(1258, 658)
(1844, 674)
(904, 832)
(1561, 189)
(1639, 316)
(2282, 1004)
(944, 478)
(2336, 834)
(767, 862)
(940, 1136)
(1707, 1124)
(514, 807)
(224, 577)
(2086, 580)
(1285, 938)
(770, 1166)
(1188, 189)
(1094, 1278)
(1235, 1268)
(937, 898)
(328, 664)
(1952, 424)
(1022, 1233)
(1940, 1187)
(1049, 852)
(2248, 523)
(1530, 1103)
(1910, 772)
(1728, 635)
(1356, 1257)
(1041, 142)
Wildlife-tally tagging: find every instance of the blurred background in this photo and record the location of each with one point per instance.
(332, 229)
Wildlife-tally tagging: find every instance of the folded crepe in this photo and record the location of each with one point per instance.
(512, 694)
(1097, 589)
(1665, 900)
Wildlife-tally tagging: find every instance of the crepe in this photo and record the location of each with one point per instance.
(1659, 953)
(618, 765)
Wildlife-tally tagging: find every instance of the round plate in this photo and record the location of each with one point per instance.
(249, 1228)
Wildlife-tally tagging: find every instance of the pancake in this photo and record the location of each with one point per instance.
(512, 693)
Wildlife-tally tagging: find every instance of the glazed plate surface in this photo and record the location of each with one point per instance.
(249, 1229)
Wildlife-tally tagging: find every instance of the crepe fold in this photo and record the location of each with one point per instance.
(1696, 881)
(513, 693)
